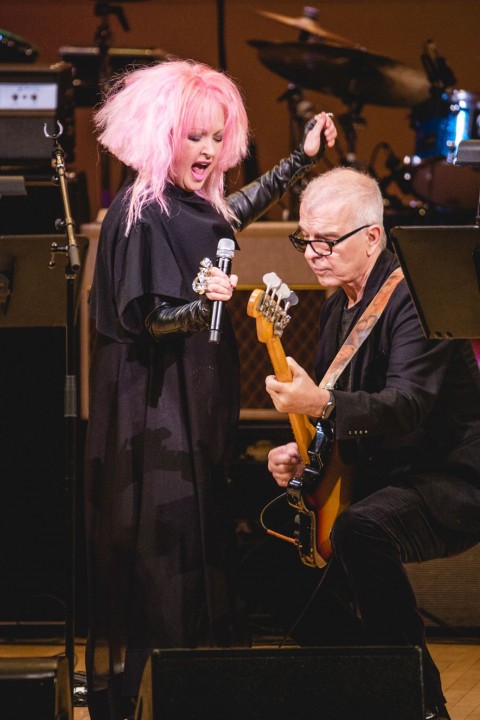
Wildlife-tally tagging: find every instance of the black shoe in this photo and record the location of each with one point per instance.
(439, 712)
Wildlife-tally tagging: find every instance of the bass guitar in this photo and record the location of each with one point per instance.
(324, 488)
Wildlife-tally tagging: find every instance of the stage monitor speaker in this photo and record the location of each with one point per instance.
(35, 688)
(327, 683)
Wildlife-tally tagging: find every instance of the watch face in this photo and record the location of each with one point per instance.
(329, 408)
(327, 411)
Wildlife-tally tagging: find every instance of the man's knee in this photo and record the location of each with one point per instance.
(354, 530)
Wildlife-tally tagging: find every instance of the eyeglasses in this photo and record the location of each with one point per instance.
(320, 247)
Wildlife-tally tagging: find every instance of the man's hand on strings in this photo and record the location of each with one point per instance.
(284, 463)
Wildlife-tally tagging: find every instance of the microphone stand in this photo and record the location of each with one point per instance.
(70, 250)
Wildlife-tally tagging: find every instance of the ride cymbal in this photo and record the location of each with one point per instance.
(350, 73)
(306, 24)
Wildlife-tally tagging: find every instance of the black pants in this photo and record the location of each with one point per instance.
(371, 540)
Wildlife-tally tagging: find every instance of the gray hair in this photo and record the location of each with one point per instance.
(350, 187)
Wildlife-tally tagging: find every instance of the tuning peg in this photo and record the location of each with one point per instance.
(283, 292)
(272, 281)
(292, 299)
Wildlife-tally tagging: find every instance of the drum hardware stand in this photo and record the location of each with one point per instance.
(103, 40)
(349, 122)
(300, 112)
(70, 250)
(396, 174)
(439, 74)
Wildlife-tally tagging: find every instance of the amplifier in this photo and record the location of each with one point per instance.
(88, 67)
(32, 97)
(448, 593)
(264, 248)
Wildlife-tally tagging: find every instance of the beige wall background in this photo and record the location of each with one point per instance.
(395, 28)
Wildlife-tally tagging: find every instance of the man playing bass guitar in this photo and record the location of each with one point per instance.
(405, 413)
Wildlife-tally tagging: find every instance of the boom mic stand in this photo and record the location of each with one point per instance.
(70, 250)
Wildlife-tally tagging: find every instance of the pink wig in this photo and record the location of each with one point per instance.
(147, 112)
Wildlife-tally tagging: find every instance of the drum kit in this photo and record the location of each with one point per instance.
(440, 116)
(319, 60)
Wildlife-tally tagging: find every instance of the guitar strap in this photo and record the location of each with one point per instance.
(361, 330)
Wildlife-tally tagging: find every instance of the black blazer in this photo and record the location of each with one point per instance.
(414, 409)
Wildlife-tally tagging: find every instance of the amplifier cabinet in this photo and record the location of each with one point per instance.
(264, 248)
(32, 96)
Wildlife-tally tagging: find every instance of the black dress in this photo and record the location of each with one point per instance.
(161, 424)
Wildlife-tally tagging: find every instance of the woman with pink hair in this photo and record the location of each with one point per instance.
(164, 400)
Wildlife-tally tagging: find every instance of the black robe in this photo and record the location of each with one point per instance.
(161, 424)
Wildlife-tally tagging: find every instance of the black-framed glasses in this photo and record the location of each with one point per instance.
(320, 247)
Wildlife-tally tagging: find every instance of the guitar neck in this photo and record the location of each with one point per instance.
(303, 430)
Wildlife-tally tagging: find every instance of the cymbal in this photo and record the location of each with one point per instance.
(305, 24)
(350, 73)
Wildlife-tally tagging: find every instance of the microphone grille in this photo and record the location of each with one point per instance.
(226, 248)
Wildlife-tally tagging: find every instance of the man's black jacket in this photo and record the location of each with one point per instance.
(414, 411)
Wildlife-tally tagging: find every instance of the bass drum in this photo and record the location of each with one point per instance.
(439, 182)
(439, 128)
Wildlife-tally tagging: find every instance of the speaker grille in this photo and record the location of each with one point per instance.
(448, 592)
(310, 683)
(299, 340)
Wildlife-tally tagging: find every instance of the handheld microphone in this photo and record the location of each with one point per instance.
(225, 252)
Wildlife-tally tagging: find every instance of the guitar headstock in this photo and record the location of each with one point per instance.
(270, 307)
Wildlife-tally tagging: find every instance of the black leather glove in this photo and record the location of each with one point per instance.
(182, 319)
(252, 201)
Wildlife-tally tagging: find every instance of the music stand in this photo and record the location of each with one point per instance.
(441, 265)
(35, 294)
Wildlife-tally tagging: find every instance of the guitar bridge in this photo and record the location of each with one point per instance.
(305, 532)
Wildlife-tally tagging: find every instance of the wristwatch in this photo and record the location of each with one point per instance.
(329, 408)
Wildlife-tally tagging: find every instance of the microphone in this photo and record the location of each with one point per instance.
(225, 252)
